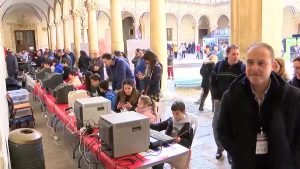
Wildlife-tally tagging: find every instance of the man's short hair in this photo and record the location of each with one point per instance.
(55, 61)
(64, 61)
(229, 48)
(296, 59)
(104, 85)
(59, 51)
(95, 77)
(117, 53)
(208, 46)
(262, 45)
(73, 72)
(107, 56)
(178, 106)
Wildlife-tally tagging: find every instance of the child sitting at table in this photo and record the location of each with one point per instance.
(73, 78)
(107, 93)
(178, 126)
(145, 107)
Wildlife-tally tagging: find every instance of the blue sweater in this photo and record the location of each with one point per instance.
(58, 68)
(141, 66)
(111, 95)
(118, 72)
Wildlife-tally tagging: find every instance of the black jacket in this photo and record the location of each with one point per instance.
(239, 123)
(186, 138)
(152, 82)
(84, 62)
(223, 74)
(206, 72)
(97, 62)
(11, 65)
(295, 82)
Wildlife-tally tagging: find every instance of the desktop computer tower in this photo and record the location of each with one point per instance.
(124, 133)
(89, 109)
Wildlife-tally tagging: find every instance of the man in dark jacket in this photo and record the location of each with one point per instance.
(97, 65)
(118, 69)
(296, 79)
(72, 56)
(11, 65)
(259, 122)
(223, 74)
(84, 61)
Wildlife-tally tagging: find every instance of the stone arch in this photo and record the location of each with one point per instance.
(172, 27)
(145, 25)
(187, 29)
(57, 11)
(203, 26)
(223, 22)
(104, 32)
(66, 7)
(290, 22)
(126, 14)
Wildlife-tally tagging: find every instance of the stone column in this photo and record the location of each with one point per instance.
(196, 34)
(158, 37)
(92, 6)
(77, 33)
(262, 24)
(52, 36)
(117, 42)
(66, 22)
(59, 35)
(137, 31)
(178, 33)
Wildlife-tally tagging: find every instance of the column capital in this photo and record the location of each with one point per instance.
(52, 25)
(66, 18)
(92, 5)
(78, 13)
(57, 22)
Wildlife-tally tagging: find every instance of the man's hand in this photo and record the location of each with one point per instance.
(177, 139)
(140, 75)
(96, 68)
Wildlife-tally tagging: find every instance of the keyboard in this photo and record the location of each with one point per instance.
(158, 139)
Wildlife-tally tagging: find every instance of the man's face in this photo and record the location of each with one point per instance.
(95, 83)
(206, 50)
(258, 66)
(94, 54)
(233, 56)
(60, 54)
(107, 62)
(296, 66)
(141, 53)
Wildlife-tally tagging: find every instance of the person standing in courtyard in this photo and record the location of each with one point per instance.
(259, 122)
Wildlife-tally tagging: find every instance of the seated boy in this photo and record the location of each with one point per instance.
(178, 126)
(107, 93)
(73, 78)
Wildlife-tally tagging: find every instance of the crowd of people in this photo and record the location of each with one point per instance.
(256, 115)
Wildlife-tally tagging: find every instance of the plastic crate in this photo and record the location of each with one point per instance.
(19, 96)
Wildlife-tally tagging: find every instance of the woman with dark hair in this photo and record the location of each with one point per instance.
(127, 97)
(86, 85)
(84, 61)
(152, 76)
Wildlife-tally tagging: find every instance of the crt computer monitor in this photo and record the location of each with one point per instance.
(42, 74)
(61, 93)
(52, 81)
(127, 128)
(89, 109)
(77, 94)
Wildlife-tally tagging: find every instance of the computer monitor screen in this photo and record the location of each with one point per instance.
(43, 73)
(89, 109)
(52, 81)
(126, 128)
